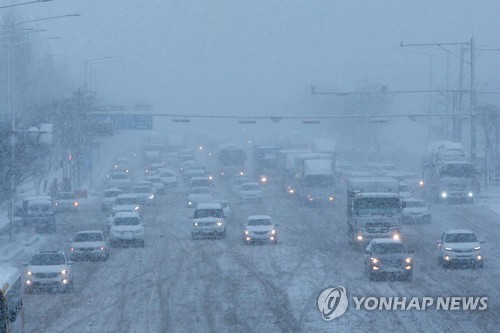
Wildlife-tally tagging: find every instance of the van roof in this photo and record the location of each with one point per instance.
(8, 276)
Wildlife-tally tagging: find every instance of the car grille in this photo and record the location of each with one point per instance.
(260, 232)
(463, 250)
(457, 187)
(378, 227)
(45, 275)
(85, 249)
(207, 224)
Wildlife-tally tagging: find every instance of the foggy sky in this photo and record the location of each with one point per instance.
(262, 56)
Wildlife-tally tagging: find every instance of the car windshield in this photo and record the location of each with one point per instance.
(461, 238)
(388, 248)
(199, 190)
(65, 195)
(377, 206)
(256, 222)
(126, 201)
(43, 259)
(89, 237)
(127, 221)
(40, 207)
(415, 204)
(201, 213)
(112, 194)
(250, 187)
(142, 189)
(120, 177)
(166, 174)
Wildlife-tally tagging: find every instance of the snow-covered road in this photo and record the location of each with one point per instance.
(180, 285)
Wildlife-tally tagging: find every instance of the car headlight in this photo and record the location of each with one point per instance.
(103, 248)
(151, 196)
(470, 194)
(219, 223)
(136, 208)
(64, 272)
(190, 203)
(246, 232)
(273, 232)
(408, 260)
(375, 260)
(477, 248)
(29, 273)
(195, 224)
(396, 236)
(448, 249)
(444, 195)
(72, 249)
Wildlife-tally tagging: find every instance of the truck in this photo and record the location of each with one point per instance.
(285, 169)
(374, 209)
(230, 160)
(314, 177)
(265, 162)
(448, 174)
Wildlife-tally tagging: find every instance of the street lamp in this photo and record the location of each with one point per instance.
(24, 3)
(87, 69)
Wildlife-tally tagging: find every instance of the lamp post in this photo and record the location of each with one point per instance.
(87, 69)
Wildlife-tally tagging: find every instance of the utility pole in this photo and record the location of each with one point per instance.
(471, 43)
(472, 102)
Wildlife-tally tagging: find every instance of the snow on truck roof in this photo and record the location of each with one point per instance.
(259, 217)
(378, 195)
(459, 231)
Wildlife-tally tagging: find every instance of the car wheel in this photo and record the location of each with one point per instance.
(223, 235)
(408, 276)
(371, 276)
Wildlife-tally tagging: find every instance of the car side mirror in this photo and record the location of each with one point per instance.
(482, 241)
(25, 264)
(70, 262)
(367, 252)
(277, 225)
(70, 240)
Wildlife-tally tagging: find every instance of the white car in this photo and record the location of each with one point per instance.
(416, 211)
(158, 185)
(120, 180)
(127, 202)
(208, 220)
(251, 192)
(108, 198)
(199, 182)
(460, 247)
(228, 209)
(48, 269)
(66, 201)
(126, 228)
(145, 195)
(168, 177)
(197, 195)
(237, 181)
(89, 244)
(260, 228)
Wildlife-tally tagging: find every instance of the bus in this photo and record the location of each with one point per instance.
(11, 296)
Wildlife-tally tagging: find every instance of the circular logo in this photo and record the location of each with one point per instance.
(332, 302)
